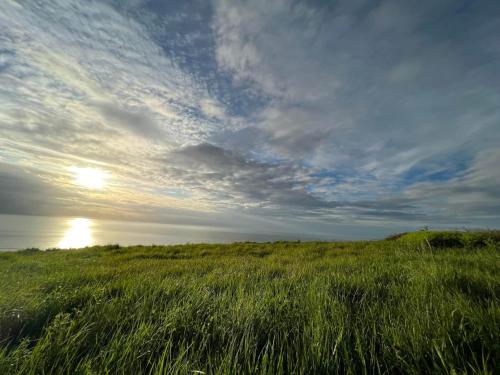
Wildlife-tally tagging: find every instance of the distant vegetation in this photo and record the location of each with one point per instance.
(424, 302)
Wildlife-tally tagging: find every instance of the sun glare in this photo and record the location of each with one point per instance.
(78, 234)
(90, 178)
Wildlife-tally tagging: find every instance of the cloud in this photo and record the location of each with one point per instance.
(475, 193)
(394, 93)
(235, 180)
(211, 109)
(139, 121)
(308, 114)
(80, 62)
(22, 192)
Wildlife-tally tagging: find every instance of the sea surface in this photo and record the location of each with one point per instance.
(21, 232)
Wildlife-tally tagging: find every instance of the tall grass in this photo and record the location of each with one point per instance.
(395, 306)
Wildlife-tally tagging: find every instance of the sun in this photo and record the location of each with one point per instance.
(90, 178)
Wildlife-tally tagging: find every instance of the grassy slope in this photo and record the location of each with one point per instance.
(406, 305)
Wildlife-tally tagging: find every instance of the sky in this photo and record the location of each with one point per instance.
(354, 117)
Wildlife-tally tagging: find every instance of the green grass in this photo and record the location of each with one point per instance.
(420, 303)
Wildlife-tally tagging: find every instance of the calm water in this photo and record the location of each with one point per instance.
(20, 232)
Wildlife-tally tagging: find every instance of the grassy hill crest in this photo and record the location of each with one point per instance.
(419, 302)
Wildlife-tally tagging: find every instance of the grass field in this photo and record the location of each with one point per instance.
(423, 302)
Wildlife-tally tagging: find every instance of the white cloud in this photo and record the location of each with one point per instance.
(83, 81)
(360, 105)
(368, 90)
(211, 108)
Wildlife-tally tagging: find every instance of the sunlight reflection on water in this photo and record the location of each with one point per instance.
(43, 232)
(78, 234)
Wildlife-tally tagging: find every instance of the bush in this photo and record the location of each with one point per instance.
(450, 240)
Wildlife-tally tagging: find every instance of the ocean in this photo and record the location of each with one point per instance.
(21, 232)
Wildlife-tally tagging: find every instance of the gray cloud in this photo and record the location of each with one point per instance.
(23, 193)
(139, 121)
(238, 180)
